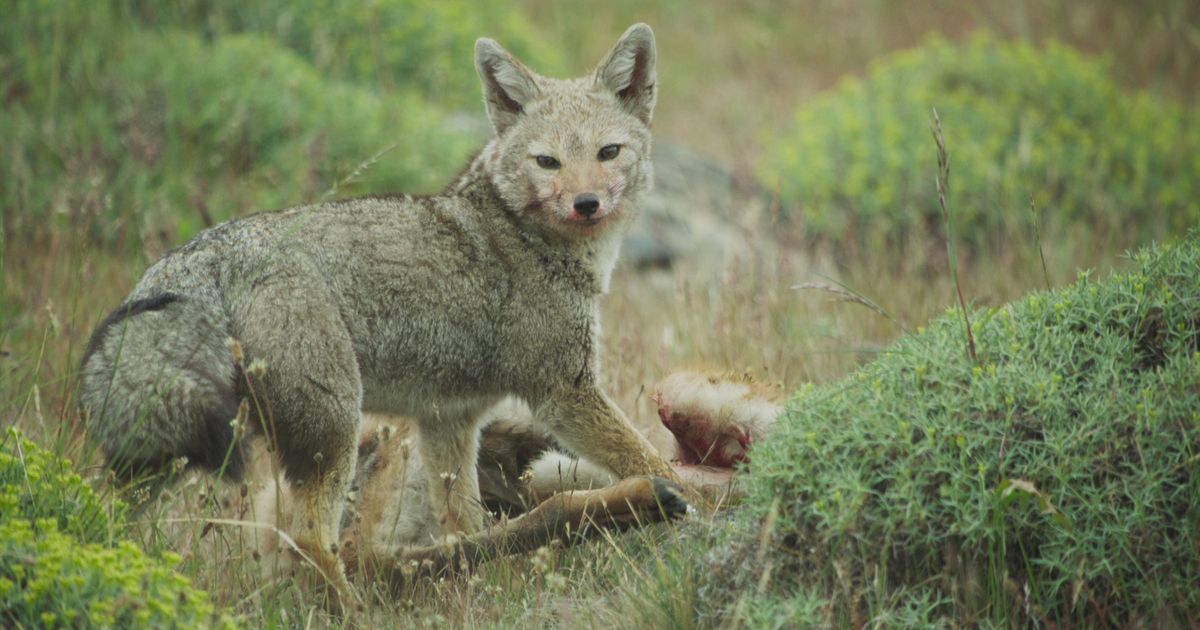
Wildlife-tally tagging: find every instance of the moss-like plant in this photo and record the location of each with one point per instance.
(49, 579)
(1021, 123)
(1055, 478)
(63, 562)
(36, 483)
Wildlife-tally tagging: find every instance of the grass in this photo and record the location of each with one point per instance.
(750, 317)
(147, 133)
(108, 166)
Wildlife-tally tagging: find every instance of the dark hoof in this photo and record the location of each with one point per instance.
(669, 496)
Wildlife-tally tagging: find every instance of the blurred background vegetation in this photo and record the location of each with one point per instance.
(147, 120)
(1073, 128)
(128, 126)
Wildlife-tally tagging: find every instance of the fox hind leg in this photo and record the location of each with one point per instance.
(312, 397)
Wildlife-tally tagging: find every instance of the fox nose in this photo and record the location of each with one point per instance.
(587, 204)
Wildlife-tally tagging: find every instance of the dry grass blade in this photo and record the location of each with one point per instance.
(943, 188)
(358, 171)
(1037, 234)
(848, 295)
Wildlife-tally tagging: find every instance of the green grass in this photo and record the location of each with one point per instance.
(407, 45)
(50, 579)
(37, 484)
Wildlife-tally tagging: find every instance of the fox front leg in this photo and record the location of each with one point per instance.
(448, 441)
(588, 423)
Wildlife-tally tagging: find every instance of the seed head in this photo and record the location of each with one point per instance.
(257, 369)
(235, 348)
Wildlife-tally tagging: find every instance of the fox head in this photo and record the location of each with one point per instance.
(571, 156)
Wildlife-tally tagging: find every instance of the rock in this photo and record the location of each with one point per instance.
(698, 212)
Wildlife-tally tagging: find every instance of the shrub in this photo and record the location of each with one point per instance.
(1020, 123)
(49, 579)
(62, 563)
(1057, 477)
(256, 119)
(132, 130)
(37, 484)
(422, 45)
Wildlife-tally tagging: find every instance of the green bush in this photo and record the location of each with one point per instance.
(1019, 122)
(133, 130)
(49, 579)
(36, 484)
(422, 45)
(62, 563)
(255, 118)
(1058, 476)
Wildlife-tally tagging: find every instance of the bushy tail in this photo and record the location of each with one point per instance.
(158, 383)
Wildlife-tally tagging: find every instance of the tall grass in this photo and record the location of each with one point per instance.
(129, 126)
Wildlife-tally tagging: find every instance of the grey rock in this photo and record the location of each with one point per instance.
(698, 213)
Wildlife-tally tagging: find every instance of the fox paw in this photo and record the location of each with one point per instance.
(669, 497)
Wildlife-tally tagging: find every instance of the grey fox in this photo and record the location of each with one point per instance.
(431, 307)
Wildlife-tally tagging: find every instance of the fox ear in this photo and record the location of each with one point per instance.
(628, 71)
(507, 84)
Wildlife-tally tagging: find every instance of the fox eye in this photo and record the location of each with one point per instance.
(547, 162)
(609, 152)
